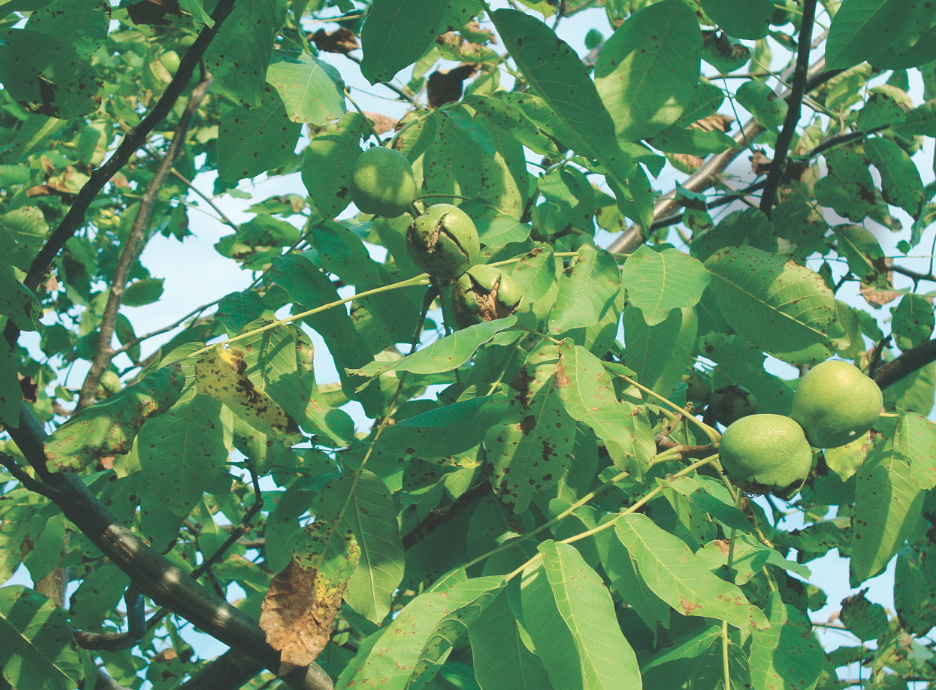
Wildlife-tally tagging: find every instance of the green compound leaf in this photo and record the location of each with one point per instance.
(659, 354)
(532, 448)
(749, 19)
(443, 355)
(555, 72)
(327, 163)
(788, 655)
(396, 33)
(239, 55)
(421, 636)
(648, 69)
(312, 90)
(913, 321)
(182, 451)
(587, 394)
(17, 301)
(914, 441)
(607, 660)
(109, 427)
(587, 290)
(778, 306)
(675, 575)
(888, 505)
(252, 140)
(901, 184)
(658, 282)
(863, 28)
(502, 660)
(38, 649)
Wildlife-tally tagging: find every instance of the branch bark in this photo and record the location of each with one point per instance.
(134, 244)
(155, 576)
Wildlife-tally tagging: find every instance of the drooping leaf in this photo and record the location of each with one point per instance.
(182, 451)
(557, 75)
(900, 180)
(864, 619)
(252, 140)
(17, 301)
(607, 660)
(11, 394)
(364, 505)
(761, 101)
(587, 394)
(421, 635)
(658, 282)
(788, 654)
(648, 69)
(779, 306)
(502, 660)
(913, 321)
(239, 55)
(660, 353)
(888, 504)
(587, 290)
(396, 33)
(327, 163)
(109, 427)
(674, 574)
(312, 91)
(38, 649)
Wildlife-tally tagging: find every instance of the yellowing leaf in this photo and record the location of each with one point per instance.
(221, 374)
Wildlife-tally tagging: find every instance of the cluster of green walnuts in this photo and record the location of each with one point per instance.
(443, 241)
(834, 404)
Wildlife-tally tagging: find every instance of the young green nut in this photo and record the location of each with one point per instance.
(485, 293)
(766, 453)
(382, 182)
(698, 387)
(835, 404)
(443, 242)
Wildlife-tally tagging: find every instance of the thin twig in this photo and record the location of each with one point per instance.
(134, 244)
(207, 199)
(165, 329)
(28, 482)
(794, 106)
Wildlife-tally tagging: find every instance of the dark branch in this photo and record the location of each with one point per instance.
(439, 516)
(158, 578)
(794, 105)
(132, 141)
(134, 244)
(911, 360)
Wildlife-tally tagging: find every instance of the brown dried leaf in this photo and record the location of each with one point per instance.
(722, 123)
(342, 41)
(686, 162)
(382, 123)
(874, 295)
(297, 614)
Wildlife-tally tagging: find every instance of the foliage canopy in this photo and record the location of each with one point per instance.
(734, 190)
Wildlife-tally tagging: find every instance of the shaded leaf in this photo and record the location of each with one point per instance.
(396, 33)
(312, 91)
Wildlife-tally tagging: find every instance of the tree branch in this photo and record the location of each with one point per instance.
(134, 244)
(794, 105)
(911, 360)
(707, 175)
(155, 576)
(132, 141)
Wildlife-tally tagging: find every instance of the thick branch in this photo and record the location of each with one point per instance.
(155, 576)
(794, 104)
(134, 244)
(132, 141)
(911, 360)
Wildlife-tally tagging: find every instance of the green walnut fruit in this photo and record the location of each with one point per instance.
(731, 403)
(766, 453)
(835, 404)
(382, 182)
(485, 293)
(170, 60)
(443, 241)
(698, 388)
